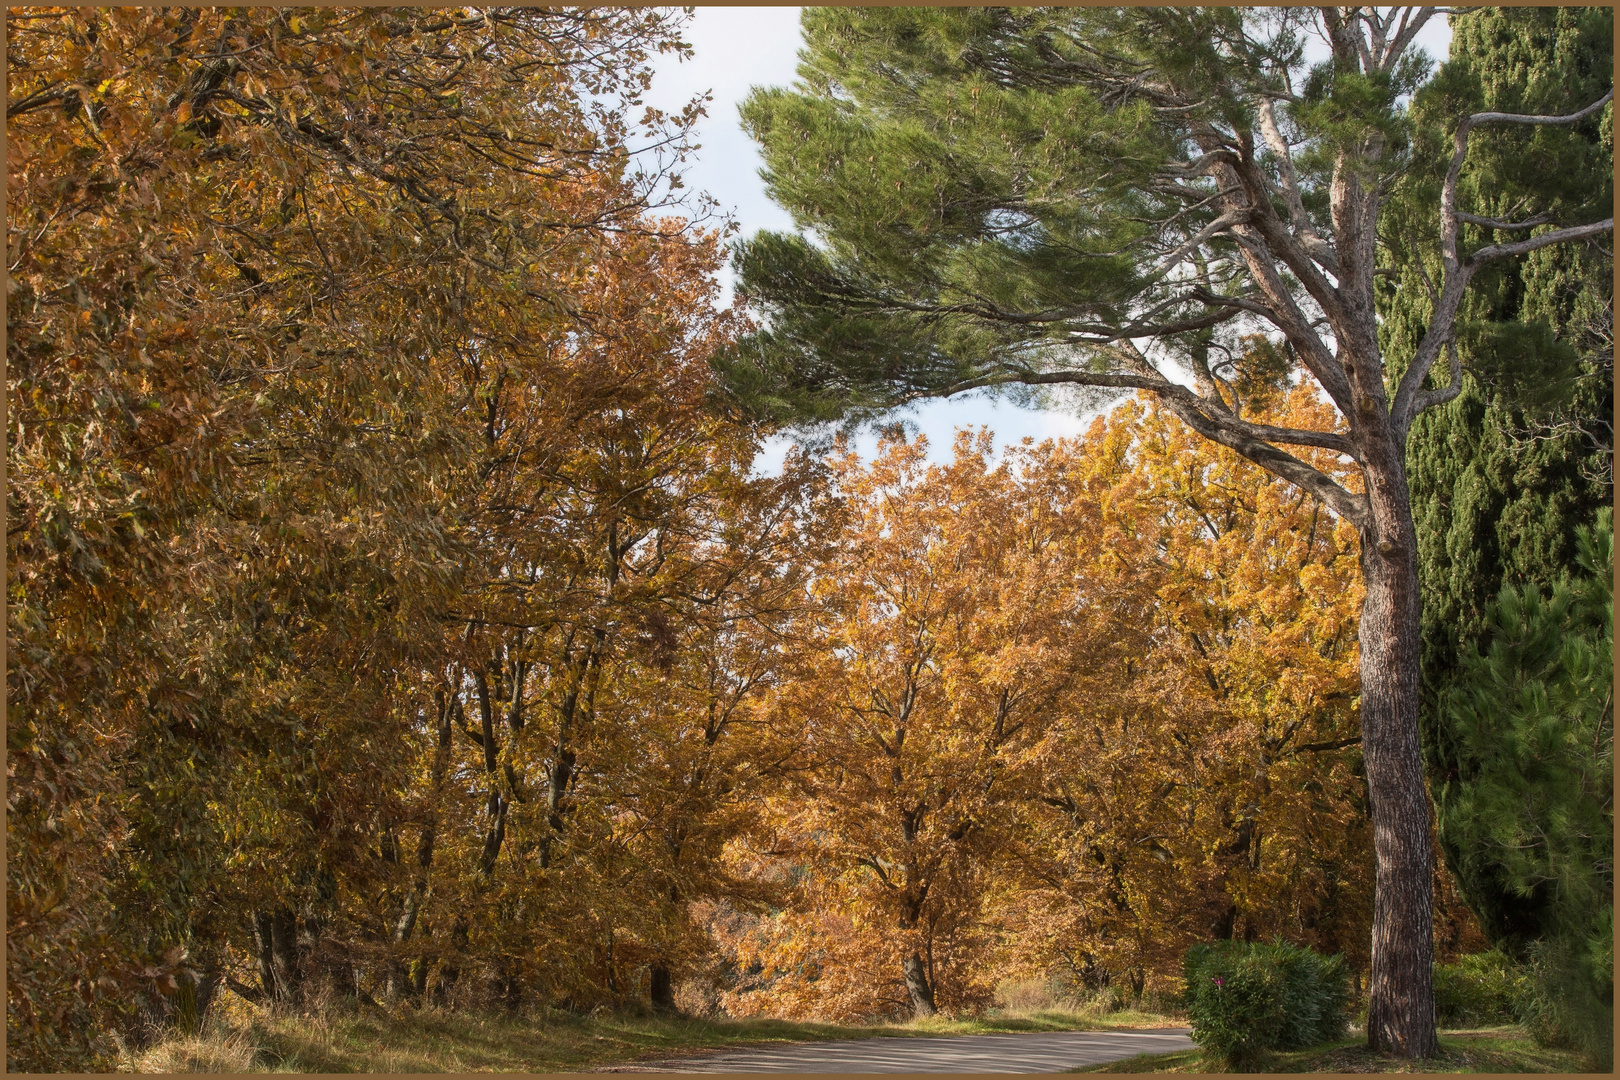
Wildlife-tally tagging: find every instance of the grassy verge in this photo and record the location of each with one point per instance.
(1489, 1050)
(247, 1039)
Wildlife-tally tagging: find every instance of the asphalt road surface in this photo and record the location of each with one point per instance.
(1042, 1052)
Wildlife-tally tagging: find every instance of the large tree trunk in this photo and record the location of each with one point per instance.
(917, 985)
(398, 976)
(1400, 1018)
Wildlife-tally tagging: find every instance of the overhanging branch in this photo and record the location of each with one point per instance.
(1256, 442)
(1409, 397)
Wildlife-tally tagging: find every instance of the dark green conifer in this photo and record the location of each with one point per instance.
(1504, 475)
(1530, 720)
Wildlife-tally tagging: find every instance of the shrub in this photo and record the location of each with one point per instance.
(1485, 988)
(1571, 999)
(1244, 998)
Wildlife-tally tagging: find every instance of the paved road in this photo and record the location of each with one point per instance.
(1050, 1051)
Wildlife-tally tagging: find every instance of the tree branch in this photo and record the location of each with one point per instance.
(1304, 231)
(1408, 31)
(1336, 744)
(1459, 272)
(1557, 236)
(1495, 223)
(1253, 441)
(1220, 224)
(1459, 154)
(1430, 398)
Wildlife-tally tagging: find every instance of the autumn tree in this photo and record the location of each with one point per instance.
(1219, 796)
(1185, 761)
(254, 256)
(613, 629)
(1025, 198)
(948, 625)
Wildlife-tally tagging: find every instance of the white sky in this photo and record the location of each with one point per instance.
(738, 48)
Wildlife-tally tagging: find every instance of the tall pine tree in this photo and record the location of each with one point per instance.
(1503, 475)
(1026, 198)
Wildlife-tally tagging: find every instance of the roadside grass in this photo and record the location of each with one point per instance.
(250, 1039)
(1506, 1049)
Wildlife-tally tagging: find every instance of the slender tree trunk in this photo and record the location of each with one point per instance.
(284, 953)
(917, 985)
(450, 967)
(398, 976)
(263, 945)
(495, 835)
(1400, 1018)
(413, 977)
(662, 991)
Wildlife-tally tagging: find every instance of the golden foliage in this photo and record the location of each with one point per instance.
(1076, 711)
(394, 609)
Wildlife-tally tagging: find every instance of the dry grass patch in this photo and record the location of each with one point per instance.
(216, 1049)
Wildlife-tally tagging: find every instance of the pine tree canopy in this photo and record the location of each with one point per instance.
(992, 192)
(998, 196)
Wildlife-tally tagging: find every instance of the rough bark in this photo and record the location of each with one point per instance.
(495, 835)
(918, 986)
(283, 937)
(1400, 1011)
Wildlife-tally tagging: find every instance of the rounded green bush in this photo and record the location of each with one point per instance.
(1244, 998)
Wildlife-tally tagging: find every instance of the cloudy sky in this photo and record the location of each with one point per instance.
(738, 48)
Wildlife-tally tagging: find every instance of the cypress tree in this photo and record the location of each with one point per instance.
(1504, 475)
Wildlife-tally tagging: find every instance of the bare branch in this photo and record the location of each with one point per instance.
(1219, 225)
(1430, 398)
(1557, 236)
(1304, 231)
(1458, 272)
(1448, 190)
(1408, 31)
(1285, 314)
(1202, 165)
(1254, 307)
(1277, 462)
(1494, 223)
(1253, 441)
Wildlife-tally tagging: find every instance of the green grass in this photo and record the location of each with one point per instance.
(1487, 1050)
(409, 1041)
